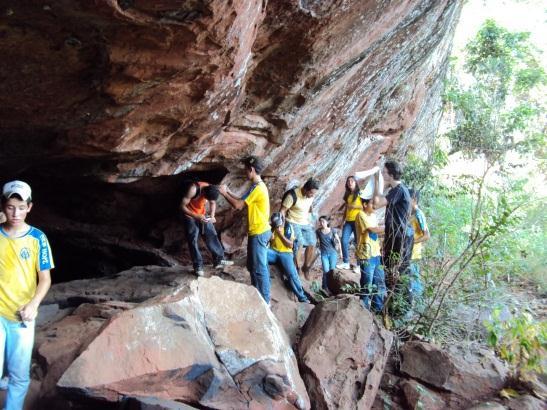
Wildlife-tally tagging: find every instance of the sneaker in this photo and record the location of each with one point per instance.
(223, 263)
(356, 269)
(343, 266)
(200, 272)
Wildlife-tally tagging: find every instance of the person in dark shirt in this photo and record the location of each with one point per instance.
(398, 239)
(328, 242)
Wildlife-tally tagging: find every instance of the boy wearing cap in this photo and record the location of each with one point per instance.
(25, 255)
(368, 255)
(196, 222)
(281, 252)
(258, 215)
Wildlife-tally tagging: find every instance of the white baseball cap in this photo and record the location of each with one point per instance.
(17, 187)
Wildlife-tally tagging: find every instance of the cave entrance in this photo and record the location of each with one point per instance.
(97, 228)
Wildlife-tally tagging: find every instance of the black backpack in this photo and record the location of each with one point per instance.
(292, 193)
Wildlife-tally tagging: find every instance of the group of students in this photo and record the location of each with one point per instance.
(281, 237)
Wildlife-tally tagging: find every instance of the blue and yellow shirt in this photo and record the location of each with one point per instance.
(368, 244)
(258, 208)
(418, 223)
(20, 260)
(278, 244)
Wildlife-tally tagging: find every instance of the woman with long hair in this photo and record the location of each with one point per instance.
(352, 206)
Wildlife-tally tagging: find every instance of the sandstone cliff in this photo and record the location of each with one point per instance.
(106, 106)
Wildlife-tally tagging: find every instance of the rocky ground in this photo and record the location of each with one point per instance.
(159, 338)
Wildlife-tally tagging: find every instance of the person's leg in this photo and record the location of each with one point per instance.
(379, 283)
(333, 258)
(325, 266)
(392, 259)
(367, 271)
(191, 228)
(287, 265)
(251, 257)
(272, 257)
(19, 342)
(213, 243)
(3, 335)
(309, 241)
(346, 235)
(407, 242)
(297, 246)
(416, 287)
(262, 273)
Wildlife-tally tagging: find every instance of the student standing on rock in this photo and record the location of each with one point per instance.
(258, 214)
(329, 245)
(281, 252)
(368, 254)
(296, 208)
(197, 223)
(352, 206)
(25, 264)
(398, 238)
(421, 235)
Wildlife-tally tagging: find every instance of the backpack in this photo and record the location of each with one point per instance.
(292, 193)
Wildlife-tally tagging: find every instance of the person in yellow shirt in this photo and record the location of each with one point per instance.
(352, 206)
(281, 253)
(25, 264)
(257, 201)
(421, 235)
(369, 257)
(296, 207)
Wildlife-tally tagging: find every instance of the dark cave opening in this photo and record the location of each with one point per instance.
(98, 229)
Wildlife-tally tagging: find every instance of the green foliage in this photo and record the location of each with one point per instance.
(318, 293)
(495, 106)
(520, 340)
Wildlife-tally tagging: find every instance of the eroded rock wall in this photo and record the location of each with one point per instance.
(106, 106)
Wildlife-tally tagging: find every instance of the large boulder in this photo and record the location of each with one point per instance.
(212, 343)
(471, 373)
(59, 343)
(342, 355)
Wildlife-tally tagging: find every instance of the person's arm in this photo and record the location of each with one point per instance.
(212, 211)
(379, 200)
(232, 199)
(187, 211)
(287, 241)
(376, 229)
(338, 245)
(423, 238)
(29, 311)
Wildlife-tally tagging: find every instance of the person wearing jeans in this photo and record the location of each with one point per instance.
(196, 223)
(329, 242)
(421, 235)
(281, 253)
(399, 235)
(372, 280)
(257, 201)
(352, 207)
(16, 341)
(25, 264)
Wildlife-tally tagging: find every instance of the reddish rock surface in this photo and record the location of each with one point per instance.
(342, 355)
(213, 343)
(106, 106)
(471, 373)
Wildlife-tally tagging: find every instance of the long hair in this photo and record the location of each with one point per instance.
(348, 192)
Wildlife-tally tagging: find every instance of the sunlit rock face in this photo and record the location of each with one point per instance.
(106, 106)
